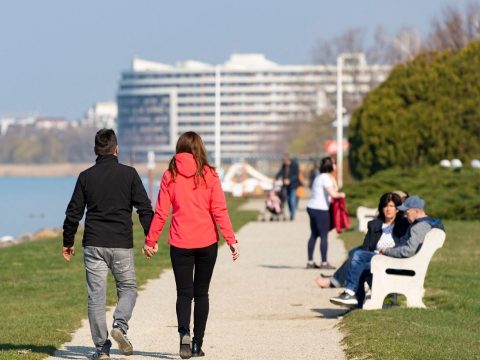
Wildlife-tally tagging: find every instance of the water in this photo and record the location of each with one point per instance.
(31, 204)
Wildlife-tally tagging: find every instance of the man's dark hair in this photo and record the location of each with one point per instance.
(105, 142)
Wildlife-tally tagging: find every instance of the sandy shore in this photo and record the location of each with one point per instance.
(58, 170)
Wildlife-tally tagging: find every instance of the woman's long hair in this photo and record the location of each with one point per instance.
(384, 200)
(190, 142)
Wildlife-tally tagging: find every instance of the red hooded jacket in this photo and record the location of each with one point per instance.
(196, 208)
(339, 219)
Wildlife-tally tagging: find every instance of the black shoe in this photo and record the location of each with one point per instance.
(325, 276)
(185, 350)
(124, 345)
(104, 353)
(197, 348)
(344, 299)
(312, 266)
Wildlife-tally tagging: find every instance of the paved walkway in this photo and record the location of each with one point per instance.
(265, 306)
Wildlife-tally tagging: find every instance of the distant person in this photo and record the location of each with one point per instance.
(406, 247)
(313, 173)
(324, 188)
(109, 191)
(289, 174)
(384, 231)
(192, 189)
(273, 204)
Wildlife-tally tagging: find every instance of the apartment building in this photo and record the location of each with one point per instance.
(252, 98)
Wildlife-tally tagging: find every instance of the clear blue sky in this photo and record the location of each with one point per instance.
(58, 57)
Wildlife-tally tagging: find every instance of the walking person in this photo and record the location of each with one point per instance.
(108, 190)
(192, 189)
(323, 189)
(289, 173)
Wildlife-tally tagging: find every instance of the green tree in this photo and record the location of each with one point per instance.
(427, 110)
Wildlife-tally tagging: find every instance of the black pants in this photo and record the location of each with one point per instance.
(193, 269)
(319, 227)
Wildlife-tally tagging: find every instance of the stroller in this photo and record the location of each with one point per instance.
(274, 205)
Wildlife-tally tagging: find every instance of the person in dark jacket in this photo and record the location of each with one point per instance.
(406, 247)
(289, 173)
(109, 191)
(387, 207)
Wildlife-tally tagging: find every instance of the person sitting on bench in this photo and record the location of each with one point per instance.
(408, 246)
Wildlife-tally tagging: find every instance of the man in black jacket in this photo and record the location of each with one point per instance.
(109, 191)
(289, 173)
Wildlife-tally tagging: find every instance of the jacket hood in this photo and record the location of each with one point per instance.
(186, 164)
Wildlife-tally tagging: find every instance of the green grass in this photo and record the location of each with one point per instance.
(447, 329)
(43, 298)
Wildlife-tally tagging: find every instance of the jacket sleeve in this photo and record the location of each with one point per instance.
(74, 213)
(369, 242)
(141, 202)
(162, 210)
(412, 244)
(218, 209)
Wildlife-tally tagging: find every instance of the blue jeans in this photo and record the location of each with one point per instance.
(98, 260)
(359, 264)
(292, 201)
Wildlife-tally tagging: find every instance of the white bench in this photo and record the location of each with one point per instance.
(364, 215)
(384, 282)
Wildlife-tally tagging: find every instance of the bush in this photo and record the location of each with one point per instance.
(427, 110)
(448, 194)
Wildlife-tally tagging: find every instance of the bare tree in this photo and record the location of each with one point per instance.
(454, 29)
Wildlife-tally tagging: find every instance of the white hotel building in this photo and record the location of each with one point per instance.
(256, 99)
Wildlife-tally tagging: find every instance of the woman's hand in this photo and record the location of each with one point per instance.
(235, 251)
(149, 251)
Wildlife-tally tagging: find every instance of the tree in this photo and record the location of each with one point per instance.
(425, 111)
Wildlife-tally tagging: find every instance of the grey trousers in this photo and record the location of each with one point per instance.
(97, 262)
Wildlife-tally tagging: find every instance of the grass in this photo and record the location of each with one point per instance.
(447, 329)
(43, 298)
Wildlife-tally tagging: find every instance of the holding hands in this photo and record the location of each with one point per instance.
(149, 251)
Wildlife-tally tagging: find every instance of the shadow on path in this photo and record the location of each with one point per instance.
(73, 352)
(331, 313)
(282, 267)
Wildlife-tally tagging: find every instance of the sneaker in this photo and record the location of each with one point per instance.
(344, 299)
(124, 345)
(327, 266)
(100, 355)
(312, 266)
(185, 349)
(104, 353)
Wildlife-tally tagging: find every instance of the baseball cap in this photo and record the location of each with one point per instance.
(412, 202)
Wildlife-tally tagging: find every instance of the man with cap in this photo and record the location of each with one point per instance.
(408, 245)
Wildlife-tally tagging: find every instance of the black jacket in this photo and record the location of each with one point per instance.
(290, 172)
(109, 190)
(374, 232)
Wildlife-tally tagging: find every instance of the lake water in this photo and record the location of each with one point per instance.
(31, 204)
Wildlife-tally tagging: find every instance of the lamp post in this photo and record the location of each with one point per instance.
(217, 117)
(339, 121)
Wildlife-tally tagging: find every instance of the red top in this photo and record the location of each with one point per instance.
(197, 209)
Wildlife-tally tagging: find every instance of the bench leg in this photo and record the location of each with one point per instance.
(375, 302)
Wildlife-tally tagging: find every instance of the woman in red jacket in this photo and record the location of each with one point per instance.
(192, 188)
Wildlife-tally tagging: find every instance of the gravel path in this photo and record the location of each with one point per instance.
(265, 306)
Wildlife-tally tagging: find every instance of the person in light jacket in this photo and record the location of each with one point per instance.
(192, 189)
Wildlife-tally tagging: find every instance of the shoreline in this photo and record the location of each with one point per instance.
(61, 170)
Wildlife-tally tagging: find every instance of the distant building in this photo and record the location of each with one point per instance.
(257, 99)
(102, 115)
(49, 123)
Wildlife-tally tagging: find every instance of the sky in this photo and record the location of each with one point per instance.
(58, 57)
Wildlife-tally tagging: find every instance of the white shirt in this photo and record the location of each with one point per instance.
(320, 200)
(386, 240)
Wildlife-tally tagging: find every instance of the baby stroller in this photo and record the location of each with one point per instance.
(274, 206)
